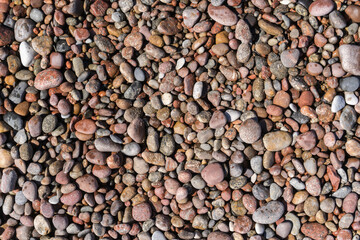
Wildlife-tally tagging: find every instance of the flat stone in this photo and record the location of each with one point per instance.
(47, 79)
(321, 7)
(314, 230)
(270, 28)
(276, 141)
(107, 145)
(269, 213)
(222, 15)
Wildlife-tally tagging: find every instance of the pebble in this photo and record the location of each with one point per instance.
(314, 230)
(222, 15)
(276, 141)
(350, 84)
(350, 58)
(321, 7)
(42, 45)
(179, 119)
(8, 180)
(47, 79)
(27, 54)
(42, 225)
(107, 145)
(213, 174)
(269, 213)
(250, 131)
(353, 11)
(6, 159)
(23, 30)
(283, 229)
(6, 36)
(87, 183)
(191, 16)
(289, 58)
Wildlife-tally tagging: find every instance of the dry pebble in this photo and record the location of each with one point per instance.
(160, 119)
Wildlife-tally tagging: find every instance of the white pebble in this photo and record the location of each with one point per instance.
(351, 99)
(166, 99)
(198, 89)
(27, 54)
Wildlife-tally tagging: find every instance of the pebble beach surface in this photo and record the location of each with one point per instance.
(179, 119)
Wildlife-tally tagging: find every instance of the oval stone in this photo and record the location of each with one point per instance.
(47, 79)
(269, 213)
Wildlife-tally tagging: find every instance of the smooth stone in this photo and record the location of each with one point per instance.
(342, 192)
(18, 93)
(6, 159)
(14, 120)
(350, 84)
(337, 20)
(213, 174)
(353, 11)
(321, 7)
(6, 36)
(217, 120)
(283, 229)
(314, 230)
(270, 28)
(49, 78)
(276, 141)
(139, 74)
(222, 15)
(23, 29)
(295, 222)
(190, 16)
(87, 183)
(131, 149)
(243, 52)
(353, 148)
(351, 98)
(269, 213)
(27, 54)
(350, 58)
(289, 58)
(198, 90)
(348, 118)
(250, 131)
(232, 115)
(8, 180)
(168, 26)
(158, 235)
(243, 32)
(42, 225)
(105, 144)
(36, 15)
(42, 45)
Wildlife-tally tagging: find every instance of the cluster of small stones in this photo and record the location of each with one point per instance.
(179, 119)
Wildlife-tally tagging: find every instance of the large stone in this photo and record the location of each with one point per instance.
(350, 58)
(269, 213)
(47, 79)
(276, 141)
(222, 15)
